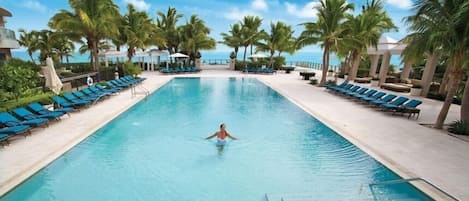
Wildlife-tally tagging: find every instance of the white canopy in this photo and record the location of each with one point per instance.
(112, 53)
(258, 55)
(178, 55)
(385, 44)
(52, 80)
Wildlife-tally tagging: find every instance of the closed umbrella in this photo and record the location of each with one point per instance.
(52, 80)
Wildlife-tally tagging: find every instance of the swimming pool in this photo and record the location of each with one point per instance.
(156, 151)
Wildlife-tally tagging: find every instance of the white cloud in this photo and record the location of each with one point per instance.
(35, 5)
(403, 4)
(307, 11)
(259, 5)
(139, 4)
(236, 14)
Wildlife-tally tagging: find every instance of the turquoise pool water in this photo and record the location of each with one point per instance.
(156, 151)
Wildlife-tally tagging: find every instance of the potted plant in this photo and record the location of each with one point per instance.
(329, 72)
(313, 82)
(416, 90)
(374, 81)
(232, 61)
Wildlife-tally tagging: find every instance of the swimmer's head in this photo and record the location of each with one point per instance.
(222, 126)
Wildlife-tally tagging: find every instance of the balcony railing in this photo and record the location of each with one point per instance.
(8, 39)
(7, 34)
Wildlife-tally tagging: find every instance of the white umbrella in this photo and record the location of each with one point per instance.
(258, 55)
(178, 55)
(52, 80)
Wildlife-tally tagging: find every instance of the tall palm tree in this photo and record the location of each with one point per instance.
(364, 30)
(62, 46)
(138, 31)
(250, 33)
(279, 39)
(452, 38)
(28, 40)
(167, 23)
(195, 36)
(326, 30)
(45, 44)
(92, 19)
(232, 39)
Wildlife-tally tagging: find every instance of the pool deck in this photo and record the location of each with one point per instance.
(402, 144)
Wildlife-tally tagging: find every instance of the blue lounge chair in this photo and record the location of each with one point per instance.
(85, 97)
(109, 89)
(346, 87)
(367, 94)
(351, 89)
(4, 139)
(388, 98)
(410, 108)
(10, 121)
(376, 96)
(16, 130)
(39, 109)
(336, 86)
(75, 100)
(64, 103)
(25, 114)
(358, 92)
(394, 104)
(98, 91)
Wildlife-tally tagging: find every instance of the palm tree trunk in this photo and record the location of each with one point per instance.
(31, 56)
(455, 78)
(355, 63)
(444, 81)
(236, 51)
(251, 49)
(465, 103)
(244, 57)
(325, 65)
(271, 58)
(96, 59)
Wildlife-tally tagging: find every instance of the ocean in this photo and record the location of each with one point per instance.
(300, 56)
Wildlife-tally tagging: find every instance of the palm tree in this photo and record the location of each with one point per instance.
(62, 46)
(167, 23)
(279, 39)
(45, 42)
(28, 40)
(138, 31)
(233, 38)
(195, 36)
(364, 30)
(452, 38)
(326, 30)
(250, 33)
(92, 19)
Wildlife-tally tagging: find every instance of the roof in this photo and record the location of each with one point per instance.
(4, 12)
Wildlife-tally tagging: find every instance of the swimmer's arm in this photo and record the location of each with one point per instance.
(230, 136)
(211, 136)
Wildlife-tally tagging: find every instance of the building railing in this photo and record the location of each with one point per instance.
(7, 34)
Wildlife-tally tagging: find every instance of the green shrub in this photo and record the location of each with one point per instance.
(233, 55)
(416, 86)
(331, 82)
(363, 72)
(43, 98)
(131, 69)
(18, 77)
(279, 62)
(459, 127)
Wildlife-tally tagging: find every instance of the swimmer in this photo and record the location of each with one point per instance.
(221, 135)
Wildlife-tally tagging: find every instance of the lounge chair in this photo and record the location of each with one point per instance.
(89, 92)
(336, 86)
(394, 104)
(109, 89)
(388, 98)
(39, 109)
(25, 114)
(351, 89)
(64, 103)
(73, 99)
(376, 96)
(10, 121)
(410, 108)
(85, 97)
(366, 94)
(4, 139)
(346, 87)
(16, 130)
(358, 92)
(98, 91)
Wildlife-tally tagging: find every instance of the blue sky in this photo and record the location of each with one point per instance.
(218, 14)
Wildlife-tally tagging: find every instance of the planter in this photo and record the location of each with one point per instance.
(232, 64)
(374, 83)
(415, 91)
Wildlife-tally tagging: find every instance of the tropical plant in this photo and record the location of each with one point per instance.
(28, 40)
(326, 30)
(452, 38)
(363, 31)
(139, 31)
(167, 23)
(195, 36)
(459, 127)
(279, 39)
(18, 77)
(92, 19)
(130, 68)
(62, 46)
(250, 33)
(233, 38)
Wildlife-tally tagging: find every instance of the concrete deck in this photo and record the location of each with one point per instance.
(402, 144)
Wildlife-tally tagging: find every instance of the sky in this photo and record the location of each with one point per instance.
(218, 14)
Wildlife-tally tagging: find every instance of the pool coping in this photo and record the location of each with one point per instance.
(381, 158)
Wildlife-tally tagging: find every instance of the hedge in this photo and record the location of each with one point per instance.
(44, 98)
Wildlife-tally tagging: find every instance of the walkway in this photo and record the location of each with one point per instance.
(401, 144)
